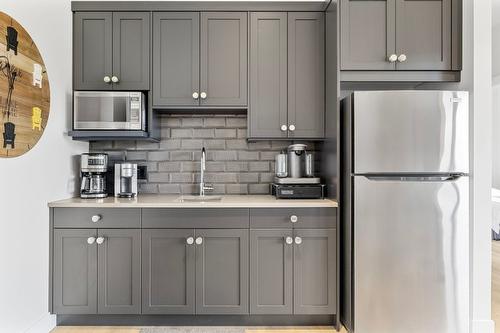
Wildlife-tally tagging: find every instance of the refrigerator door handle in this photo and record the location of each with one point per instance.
(416, 178)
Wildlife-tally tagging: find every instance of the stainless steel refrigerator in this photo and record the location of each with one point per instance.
(405, 212)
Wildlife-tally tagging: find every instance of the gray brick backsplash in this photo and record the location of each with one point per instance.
(234, 165)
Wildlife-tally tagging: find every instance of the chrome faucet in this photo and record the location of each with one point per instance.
(204, 187)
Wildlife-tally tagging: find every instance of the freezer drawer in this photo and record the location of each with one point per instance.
(411, 256)
(411, 131)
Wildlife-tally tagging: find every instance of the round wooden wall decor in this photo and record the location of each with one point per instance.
(24, 90)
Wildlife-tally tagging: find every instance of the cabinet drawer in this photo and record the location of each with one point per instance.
(272, 218)
(233, 218)
(103, 217)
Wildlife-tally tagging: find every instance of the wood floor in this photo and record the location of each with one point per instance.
(495, 310)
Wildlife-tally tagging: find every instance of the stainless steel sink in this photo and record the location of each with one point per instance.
(199, 198)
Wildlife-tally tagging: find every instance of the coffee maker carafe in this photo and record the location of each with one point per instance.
(93, 167)
(125, 180)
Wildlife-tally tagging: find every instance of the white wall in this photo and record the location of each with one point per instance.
(45, 173)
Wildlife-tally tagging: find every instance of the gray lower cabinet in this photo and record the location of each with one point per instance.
(74, 271)
(271, 271)
(315, 256)
(97, 271)
(176, 58)
(222, 271)
(287, 79)
(168, 271)
(119, 271)
(111, 50)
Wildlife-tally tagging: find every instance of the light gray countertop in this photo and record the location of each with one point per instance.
(173, 201)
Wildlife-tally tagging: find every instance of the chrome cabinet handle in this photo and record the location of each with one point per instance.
(190, 241)
(203, 95)
(100, 240)
(289, 240)
(291, 128)
(393, 58)
(298, 240)
(294, 219)
(402, 58)
(90, 240)
(114, 79)
(199, 241)
(107, 79)
(196, 95)
(284, 128)
(96, 218)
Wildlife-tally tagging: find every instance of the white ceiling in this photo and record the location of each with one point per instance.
(496, 12)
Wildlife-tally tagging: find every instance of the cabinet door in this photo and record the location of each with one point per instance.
(268, 75)
(92, 36)
(271, 272)
(75, 271)
(119, 278)
(367, 30)
(176, 59)
(168, 271)
(306, 75)
(222, 271)
(223, 59)
(131, 50)
(423, 34)
(314, 271)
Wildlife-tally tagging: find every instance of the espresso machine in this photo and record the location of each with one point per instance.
(93, 168)
(125, 180)
(294, 175)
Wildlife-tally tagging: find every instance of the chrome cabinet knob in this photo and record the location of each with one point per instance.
(203, 95)
(190, 241)
(96, 218)
(298, 240)
(402, 58)
(107, 79)
(90, 240)
(199, 241)
(114, 79)
(289, 240)
(294, 218)
(291, 128)
(99, 240)
(284, 128)
(196, 95)
(393, 58)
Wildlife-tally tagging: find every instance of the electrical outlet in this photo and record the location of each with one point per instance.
(142, 172)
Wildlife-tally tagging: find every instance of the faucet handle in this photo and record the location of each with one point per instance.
(208, 187)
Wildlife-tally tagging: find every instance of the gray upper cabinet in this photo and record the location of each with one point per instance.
(176, 58)
(367, 38)
(268, 110)
(111, 50)
(93, 50)
(306, 75)
(423, 34)
(75, 272)
(131, 37)
(271, 274)
(119, 267)
(223, 77)
(168, 270)
(287, 83)
(407, 36)
(314, 271)
(222, 271)
(199, 59)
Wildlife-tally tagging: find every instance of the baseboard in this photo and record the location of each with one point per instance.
(483, 326)
(43, 325)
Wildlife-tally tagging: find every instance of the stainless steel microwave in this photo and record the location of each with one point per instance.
(109, 110)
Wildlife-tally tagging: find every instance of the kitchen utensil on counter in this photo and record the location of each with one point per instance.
(296, 160)
(125, 180)
(93, 168)
(281, 165)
